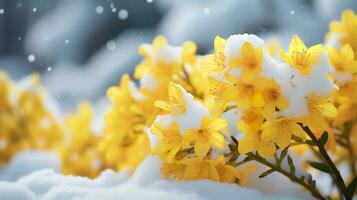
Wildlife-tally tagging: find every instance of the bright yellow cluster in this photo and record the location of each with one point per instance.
(25, 121)
(343, 58)
(79, 152)
(178, 107)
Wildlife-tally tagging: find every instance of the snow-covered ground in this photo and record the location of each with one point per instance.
(145, 183)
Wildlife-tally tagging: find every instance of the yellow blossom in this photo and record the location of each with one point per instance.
(171, 140)
(301, 57)
(281, 130)
(199, 169)
(208, 135)
(347, 28)
(227, 173)
(249, 61)
(176, 104)
(343, 60)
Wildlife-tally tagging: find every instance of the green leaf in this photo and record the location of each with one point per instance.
(351, 189)
(320, 166)
(323, 139)
(266, 173)
(291, 165)
(235, 141)
(283, 154)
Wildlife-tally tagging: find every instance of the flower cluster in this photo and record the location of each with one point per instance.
(26, 119)
(206, 116)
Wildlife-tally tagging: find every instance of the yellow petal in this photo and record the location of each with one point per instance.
(201, 148)
(219, 44)
(218, 140)
(266, 149)
(248, 143)
(163, 105)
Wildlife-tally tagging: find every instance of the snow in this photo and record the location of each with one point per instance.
(190, 119)
(123, 14)
(26, 162)
(300, 86)
(235, 42)
(145, 183)
(167, 54)
(333, 40)
(31, 58)
(148, 81)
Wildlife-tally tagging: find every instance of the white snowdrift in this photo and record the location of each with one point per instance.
(144, 184)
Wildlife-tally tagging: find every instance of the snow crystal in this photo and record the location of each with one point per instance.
(2, 11)
(111, 45)
(31, 58)
(99, 9)
(34, 9)
(292, 12)
(66, 41)
(49, 69)
(149, 1)
(123, 14)
(207, 10)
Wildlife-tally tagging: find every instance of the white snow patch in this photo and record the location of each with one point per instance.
(148, 81)
(146, 183)
(235, 42)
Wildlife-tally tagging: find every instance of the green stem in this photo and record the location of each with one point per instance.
(348, 129)
(292, 177)
(334, 171)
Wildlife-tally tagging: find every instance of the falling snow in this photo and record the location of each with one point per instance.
(292, 12)
(31, 58)
(207, 10)
(2, 11)
(49, 69)
(111, 45)
(99, 9)
(34, 9)
(66, 41)
(123, 14)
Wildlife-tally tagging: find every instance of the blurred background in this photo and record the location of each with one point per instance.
(81, 47)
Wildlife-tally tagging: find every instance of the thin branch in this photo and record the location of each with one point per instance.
(301, 181)
(334, 171)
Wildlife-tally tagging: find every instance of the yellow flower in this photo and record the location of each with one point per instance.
(245, 93)
(199, 169)
(124, 143)
(320, 106)
(208, 135)
(252, 141)
(343, 60)
(281, 130)
(171, 140)
(189, 53)
(176, 104)
(347, 28)
(301, 57)
(249, 61)
(174, 170)
(162, 60)
(250, 125)
(80, 156)
(273, 97)
(227, 173)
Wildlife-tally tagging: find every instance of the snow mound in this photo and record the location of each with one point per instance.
(144, 184)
